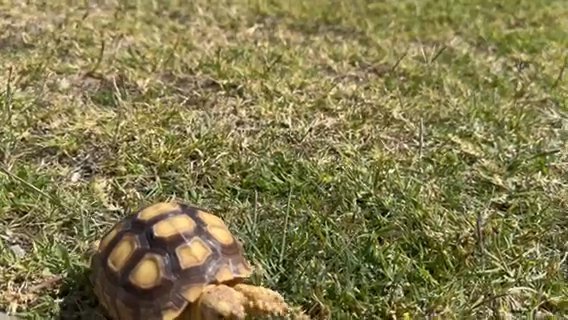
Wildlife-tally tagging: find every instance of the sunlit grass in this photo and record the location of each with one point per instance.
(378, 159)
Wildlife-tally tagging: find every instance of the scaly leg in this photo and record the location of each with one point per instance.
(264, 301)
(219, 302)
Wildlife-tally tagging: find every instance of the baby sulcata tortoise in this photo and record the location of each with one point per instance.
(174, 261)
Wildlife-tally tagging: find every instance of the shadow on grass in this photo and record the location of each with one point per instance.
(79, 301)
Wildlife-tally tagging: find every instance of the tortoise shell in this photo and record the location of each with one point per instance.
(154, 263)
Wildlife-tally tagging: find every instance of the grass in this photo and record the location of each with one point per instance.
(379, 159)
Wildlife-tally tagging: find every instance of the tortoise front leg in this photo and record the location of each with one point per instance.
(235, 303)
(219, 302)
(261, 301)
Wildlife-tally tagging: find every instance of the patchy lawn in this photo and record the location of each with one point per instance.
(378, 158)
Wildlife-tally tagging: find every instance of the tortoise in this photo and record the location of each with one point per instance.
(169, 261)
